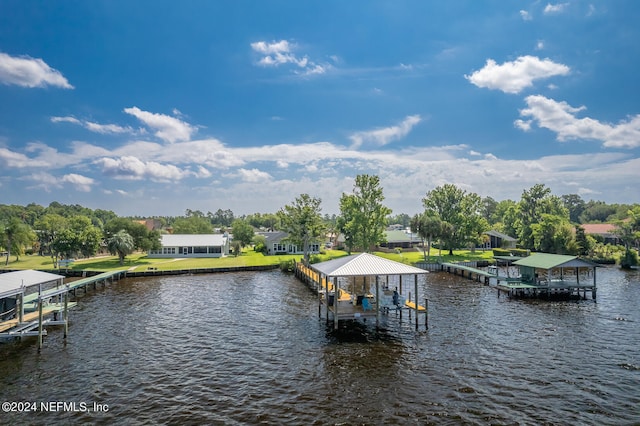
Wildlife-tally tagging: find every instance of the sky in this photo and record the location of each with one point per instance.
(150, 108)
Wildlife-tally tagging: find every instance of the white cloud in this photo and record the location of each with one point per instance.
(17, 160)
(540, 45)
(94, 127)
(385, 135)
(253, 175)
(106, 128)
(281, 52)
(81, 183)
(513, 77)
(561, 118)
(65, 120)
(135, 169)
(167, 128)
(524, 125)
(30, 72)
(526, 16)
(555, 8)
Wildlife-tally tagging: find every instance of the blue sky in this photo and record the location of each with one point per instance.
(154, 107)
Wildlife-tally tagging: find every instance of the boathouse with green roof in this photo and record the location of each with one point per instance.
(554, 274)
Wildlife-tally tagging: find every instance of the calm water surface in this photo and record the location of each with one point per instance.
(248, 348)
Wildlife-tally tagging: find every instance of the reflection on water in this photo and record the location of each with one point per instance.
(249, 348)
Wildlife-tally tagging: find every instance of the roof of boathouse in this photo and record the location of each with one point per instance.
(12, 283)
(550, 261)
(364, 264)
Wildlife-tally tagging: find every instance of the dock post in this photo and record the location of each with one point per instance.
(21, 309)
(40, 317)
(426, 313)
(416, 289)
(377, 302)
(66, 314)
(336, 296)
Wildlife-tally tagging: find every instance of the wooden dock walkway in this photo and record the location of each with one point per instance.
(31, 311)
(475, 274)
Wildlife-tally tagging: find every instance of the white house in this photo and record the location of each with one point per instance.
(192, 245)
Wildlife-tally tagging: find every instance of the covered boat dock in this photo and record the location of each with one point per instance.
(31, 299)
(365, 286)
(548, 275)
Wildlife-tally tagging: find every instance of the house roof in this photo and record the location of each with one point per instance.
(495, 233)
(364, 264)
(189, 240)
(397, 236)
(599, 228)
(274, 236)
(550, 261)
(12, 283)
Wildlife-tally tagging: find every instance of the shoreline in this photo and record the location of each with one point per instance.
(83, 273)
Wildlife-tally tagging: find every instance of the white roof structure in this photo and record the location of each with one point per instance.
(364, 264)
(12, 283)
(193, 240)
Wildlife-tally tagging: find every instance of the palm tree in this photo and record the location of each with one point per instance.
(427, 227)
(121, 244)
(15, 236)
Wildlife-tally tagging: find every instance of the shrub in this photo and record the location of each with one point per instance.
(287, 265)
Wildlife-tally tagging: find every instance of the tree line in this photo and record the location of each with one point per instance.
(452, 218)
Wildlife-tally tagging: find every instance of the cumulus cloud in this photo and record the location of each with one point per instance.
(81, 183)
(166, 127)
(281, 52)
(135, 169)
(18, 160)
(526, 16)
(561, 118)
(94, 127)
(513, 77)
(555, 8)
(253, 175)
(385, 135)
(30, 72)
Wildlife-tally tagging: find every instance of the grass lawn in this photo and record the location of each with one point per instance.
(140, 261)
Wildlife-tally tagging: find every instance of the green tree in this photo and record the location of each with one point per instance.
(490, 210)
(575, 205)
(193, 224)
(236, 247)
(143, 239)
(303, 222)
(87, 237)
(629, 233)
(242, 231)
(121, 244)
(553, 234)
(597, 211)
(362, 215)
(16, 235)
(461, 210)
(428, 228)
(536, 202)
(583, 243)
(47, 228)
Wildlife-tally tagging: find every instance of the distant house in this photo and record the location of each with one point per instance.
(151, 224)
(277, 243)
(400, 239)
(499, 240)
(604, 231)
(192, 245)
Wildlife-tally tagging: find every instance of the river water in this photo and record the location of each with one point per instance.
(249, 348)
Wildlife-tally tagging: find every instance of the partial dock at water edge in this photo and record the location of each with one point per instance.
(31, 299)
